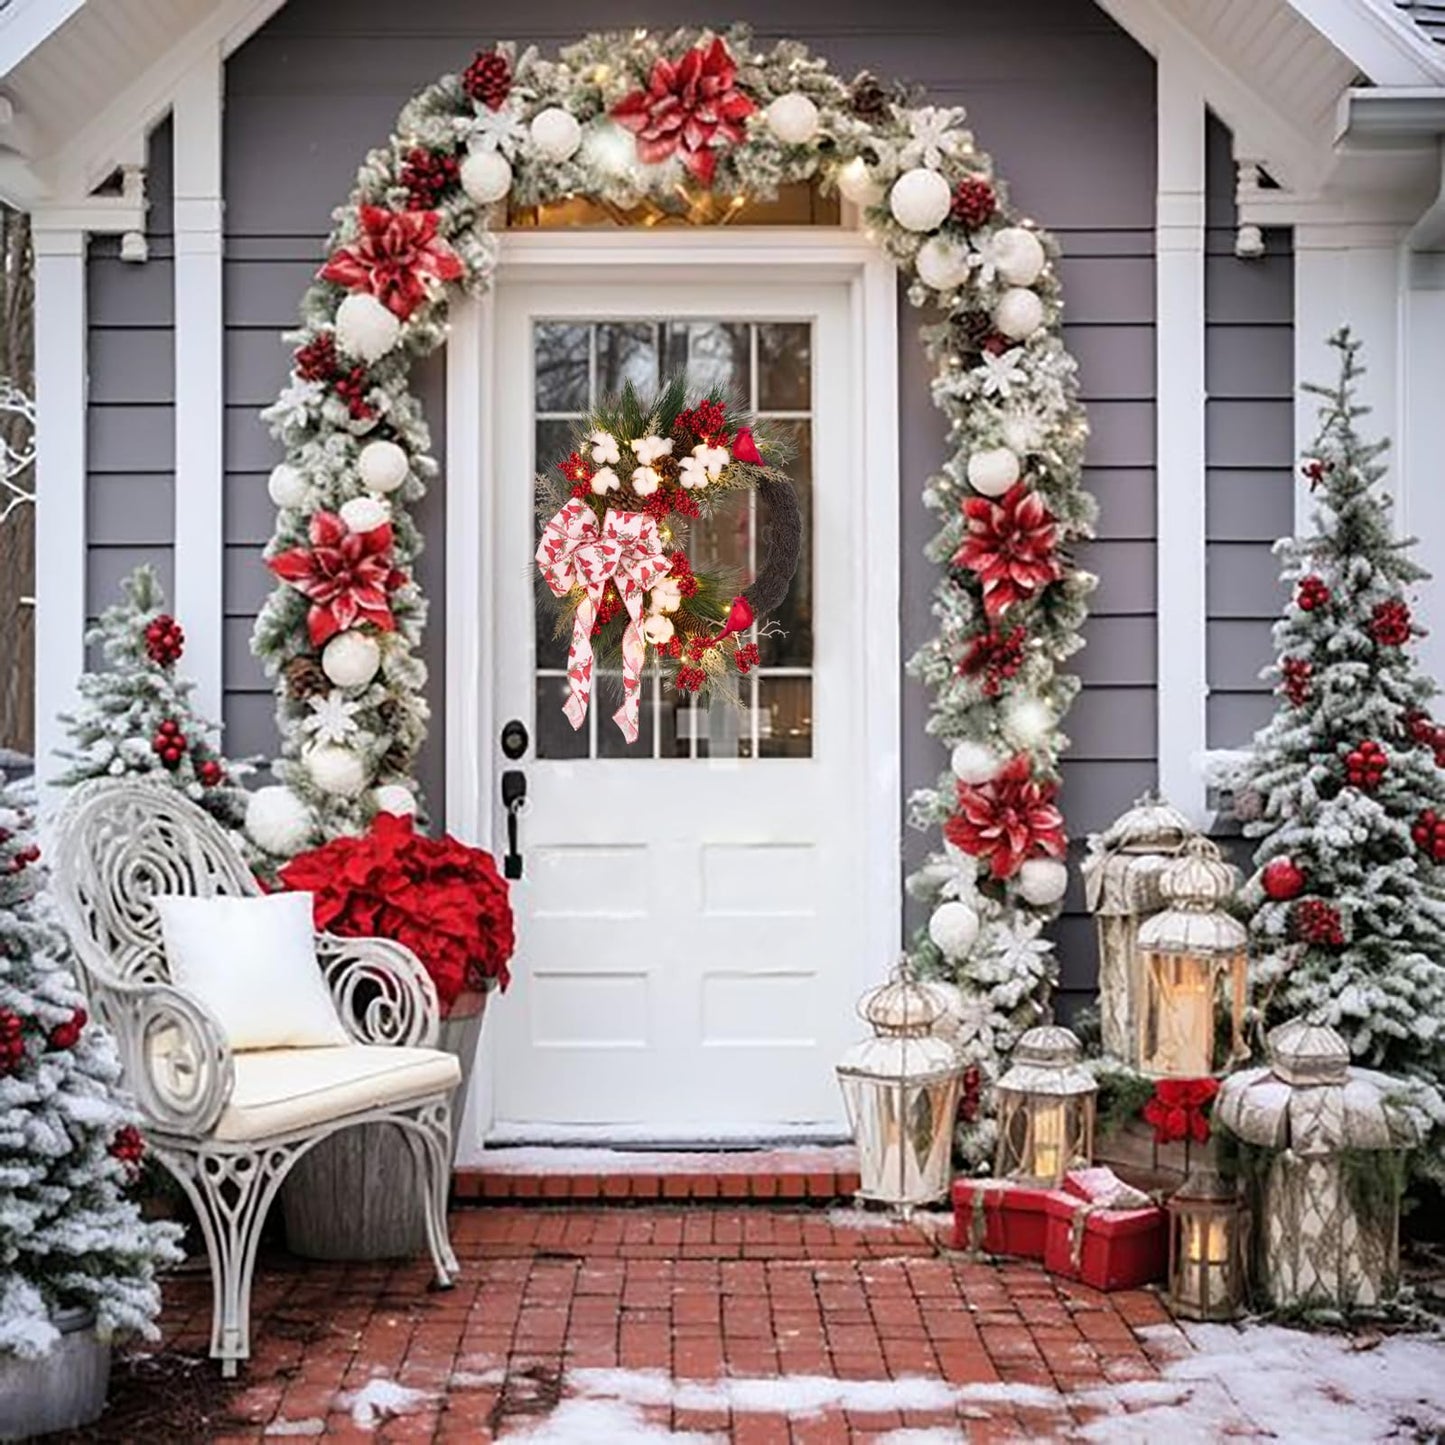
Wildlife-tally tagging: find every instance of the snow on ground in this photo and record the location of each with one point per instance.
(602, 1422)
(590, 1159)
(379, 1399)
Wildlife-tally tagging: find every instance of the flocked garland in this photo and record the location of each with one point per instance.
(661, 119)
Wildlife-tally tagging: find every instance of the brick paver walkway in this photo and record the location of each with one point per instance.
(756, 1325)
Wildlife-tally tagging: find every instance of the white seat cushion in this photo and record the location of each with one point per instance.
(281, 1090)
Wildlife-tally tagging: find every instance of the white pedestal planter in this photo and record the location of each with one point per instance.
(61, 1390)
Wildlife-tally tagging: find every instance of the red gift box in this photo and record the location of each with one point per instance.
(1106, 1248)
(1000, 1217)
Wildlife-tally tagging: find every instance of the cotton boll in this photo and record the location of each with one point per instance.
(993, 471)
(1042, 881)
(856, 183)
(382, 466)
(394, 798)
(287, 487)
(942, 264)
(278, 821)
(953, 929)
(365, 514)
(1018, 256)
(365, 328)
(1019, 313)
(336, 770)
(1028, 721)
(793, 118)
(920, 199)
(974, 763)
(486, 176)
(556, 134)
(657, 629)
(351, 659)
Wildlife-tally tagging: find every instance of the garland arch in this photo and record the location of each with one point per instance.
(636, 117)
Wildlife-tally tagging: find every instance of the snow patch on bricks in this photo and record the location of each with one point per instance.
(380, 1399)
(591, 1422)
(296, 1428)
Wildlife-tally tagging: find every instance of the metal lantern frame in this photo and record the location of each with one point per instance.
(1209, 1229)
(1188, 954)
(1046, 1105)
(901, 1090)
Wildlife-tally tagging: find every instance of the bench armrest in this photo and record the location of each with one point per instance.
(381, 991)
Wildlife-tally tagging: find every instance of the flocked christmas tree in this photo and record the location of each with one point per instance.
(136, 715)
(1344, 787)
(69, 1235)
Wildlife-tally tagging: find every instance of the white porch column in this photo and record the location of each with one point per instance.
(60, 394)
(199, 389)
(1179, 444)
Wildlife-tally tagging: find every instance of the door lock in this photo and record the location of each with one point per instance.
(514, 739)
(514, 798)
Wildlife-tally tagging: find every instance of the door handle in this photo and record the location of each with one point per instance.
(514, 797)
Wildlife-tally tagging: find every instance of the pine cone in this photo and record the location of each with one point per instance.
(305, 678)
(488, 79)
(972, 329)
(869, 98)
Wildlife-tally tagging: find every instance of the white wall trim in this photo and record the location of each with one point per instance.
(1181, 613)
(60, 482)
(1385, 43)
(28, 24)
(200, 381)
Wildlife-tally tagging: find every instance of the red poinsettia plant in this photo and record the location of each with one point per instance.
(398, 257)
(349, 576)
(1180, 1110)
(443, 900)
(1008, 819)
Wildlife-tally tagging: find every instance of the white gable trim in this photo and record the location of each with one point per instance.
(1383, 41)
(28, 24)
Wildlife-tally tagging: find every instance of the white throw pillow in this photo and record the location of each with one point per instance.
(252, 962)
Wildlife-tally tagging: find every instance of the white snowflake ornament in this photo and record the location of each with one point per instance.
(1000, 375)
(332, 719)
(934, 135)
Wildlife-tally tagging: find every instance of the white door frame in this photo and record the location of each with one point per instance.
(704, 255)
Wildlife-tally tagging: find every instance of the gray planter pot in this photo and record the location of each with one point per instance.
(356, 1195)
(60, 1391)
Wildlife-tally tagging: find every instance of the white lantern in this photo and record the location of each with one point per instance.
(942, 264)
(1042, 881)
(993, 470)
(1045, 1109)
(1018, 256)
(974, 763)
(382, 466)
(1208, 1234)
(486, 176)
(278, 822)
(364, 514)
(287, 487)
(856, 183)
(793, 118)
(953, 929)
(1028, 721)
(365, 328)
(1019, 313)
(394, 798)
(351, 659)
(556, 134)
(920, 199)
(336, 770)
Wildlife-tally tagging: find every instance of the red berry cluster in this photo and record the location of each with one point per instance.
(1425, 732)
(1390, 623)
(607, 608)
(1315, 921)
(12, 1041)
(747, 657)
(685, 504)
(681, 571)
(1297, 675)
(164, 640)
(317, 360)
(128, 1146)
(705, 422)
(974, 203)
(1312, 593)
(352, 387)
(428, 176)
(996, 656)
(169, 743)
(690, 679)
(66, 1035)
(1365, 765)
(574, 468)
(210, 772)
(1429, 835)
(488, 79)
(21, 860)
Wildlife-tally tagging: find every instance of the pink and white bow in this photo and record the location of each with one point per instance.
(575, 552)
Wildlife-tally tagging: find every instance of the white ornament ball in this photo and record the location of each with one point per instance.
(1018, 256)
(365, 328)
(942, 264)
(351, 659)
(1019, 313)
(364, 514)
(1042, 881)
(287, 487)
(856, 183)
(278, 821)
(793, 118)
(1028, 721)
(556, 134)
(394, 798)
(486, 176)
(336, 770)
(920, 199)
(993, 471)
(974, 763)
(953, 928)
(382, 466)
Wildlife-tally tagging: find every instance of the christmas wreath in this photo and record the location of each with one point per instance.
(611, 553)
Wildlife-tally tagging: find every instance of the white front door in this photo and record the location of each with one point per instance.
(691, 920)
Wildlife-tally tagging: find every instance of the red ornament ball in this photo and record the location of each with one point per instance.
(165, 641)
(1390, 623)
(488, 79)
(22, 859)
(428, 176)
(66, 1035)
(128, 1146)
(1317, 922)
(210, 772)
(1297, 675)
(1428, 831)
(974, 203)
(1312, 593)
(1282, 879)
(1365, 765)
(12, 1041)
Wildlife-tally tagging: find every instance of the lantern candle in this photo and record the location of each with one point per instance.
(1183, 1021)
(1048, 1141)
(1045, 1108)
(1206, 1248)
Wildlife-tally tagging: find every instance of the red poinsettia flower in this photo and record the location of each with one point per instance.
(1178, 1109)
(1008, 819)
(1010, 545)
(347, 575)
(397, 254)
(442, 899)
(691, 107)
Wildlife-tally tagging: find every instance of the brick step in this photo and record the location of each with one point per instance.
(810, 1174)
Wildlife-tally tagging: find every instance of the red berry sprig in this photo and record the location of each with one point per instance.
(690, 679)
(67, 1034)
(128, 1146)
(1365, 765)
(352, 387)
(1312, 593)
(169, 743)
(747, 657)
(1297, 675)
(994, 656)
(681, 572)
(165, 640)
(488, 79)
(428, 176)
(1428, 831)
(12, 1041)
(1317, 922)
(1390, 623)
(608, 608)
(974, 203)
